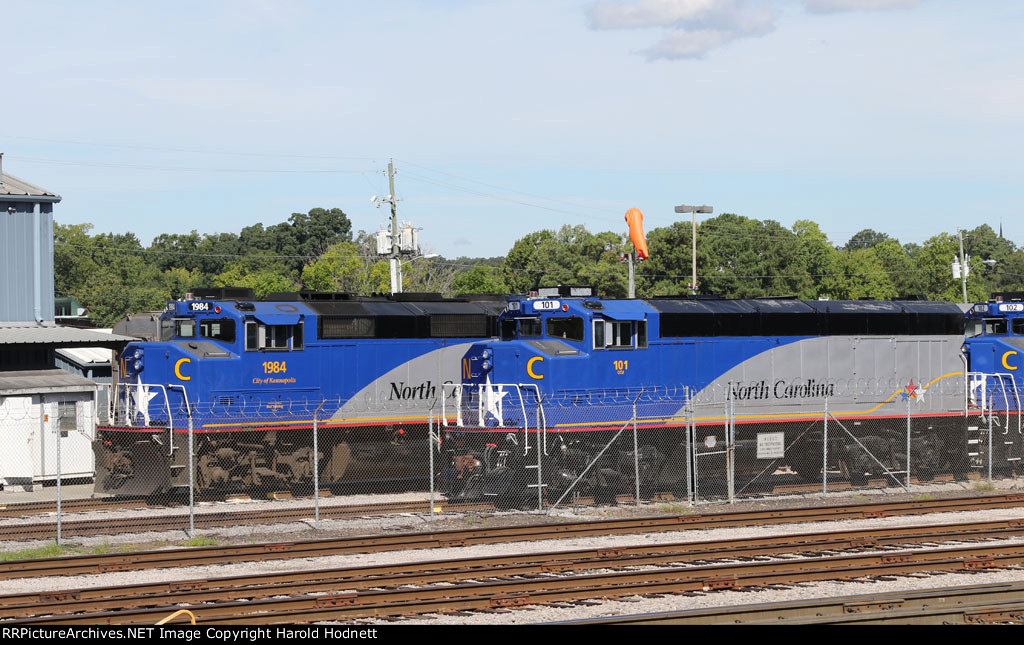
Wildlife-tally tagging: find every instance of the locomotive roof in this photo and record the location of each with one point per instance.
(385, 307)
(770, 306)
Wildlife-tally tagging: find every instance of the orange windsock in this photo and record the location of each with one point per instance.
(635, 220)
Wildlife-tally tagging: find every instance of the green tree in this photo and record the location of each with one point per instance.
(571, 255)
(479, 279)
(934, 260)
(865, 239)
(262, 273)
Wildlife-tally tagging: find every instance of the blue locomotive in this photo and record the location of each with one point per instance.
(246, 377)
(569, 370)
(993, 348)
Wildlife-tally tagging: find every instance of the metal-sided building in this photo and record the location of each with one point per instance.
(43, 409)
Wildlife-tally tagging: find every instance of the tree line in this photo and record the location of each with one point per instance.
(737, 257)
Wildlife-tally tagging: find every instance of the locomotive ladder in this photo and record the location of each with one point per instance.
(983, 392)
(486, 402)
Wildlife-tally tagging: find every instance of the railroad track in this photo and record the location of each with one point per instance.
(83, 564)
(208, 519)
(969, 605)
(515, 581)
(22, 509)
(422, 573)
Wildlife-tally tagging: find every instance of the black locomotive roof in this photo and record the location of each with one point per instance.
(773, 317)
(385, 307)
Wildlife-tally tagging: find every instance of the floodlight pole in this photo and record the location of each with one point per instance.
(683, 208)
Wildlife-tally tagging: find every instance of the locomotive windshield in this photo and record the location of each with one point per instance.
(222, 329)
(185, 328)
(566, 328)
(512, 328)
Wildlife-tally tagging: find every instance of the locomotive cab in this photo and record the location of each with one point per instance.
(993, 349)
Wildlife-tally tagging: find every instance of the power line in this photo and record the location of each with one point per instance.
(189, 150)
(98, 164)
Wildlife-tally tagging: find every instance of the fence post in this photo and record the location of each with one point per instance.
(59, 474)
(908, 444)
(730, 457)
(824, 454)
(316, 465)
(636, 459)
(191, 476)
(430, 449)
(689, 447)
(990, 446)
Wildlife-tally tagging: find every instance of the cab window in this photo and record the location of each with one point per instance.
(279, 338)
(620, 334)
(529, 327)
(166, 330)
(222, 329)
(570, 328)
(185, 328)
(1017, 325)
(508, 329)
(995, 326)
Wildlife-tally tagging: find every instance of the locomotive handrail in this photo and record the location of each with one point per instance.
(985, 402)
(128, 414)
(456, 391)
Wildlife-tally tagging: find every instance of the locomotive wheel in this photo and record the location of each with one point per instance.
(863, 466)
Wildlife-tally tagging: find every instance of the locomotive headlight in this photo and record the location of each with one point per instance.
(138, 366)
(485, 354)
(486, 365)
(137, 354)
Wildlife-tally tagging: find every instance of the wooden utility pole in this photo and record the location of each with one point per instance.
(396, 265)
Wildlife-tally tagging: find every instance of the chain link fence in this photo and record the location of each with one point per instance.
(505, 447)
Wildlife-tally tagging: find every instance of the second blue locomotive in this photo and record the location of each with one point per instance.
(569, 370)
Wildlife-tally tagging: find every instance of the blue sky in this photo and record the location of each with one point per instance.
(509, 116)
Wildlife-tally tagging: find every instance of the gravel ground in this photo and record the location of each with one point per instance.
(406, 523)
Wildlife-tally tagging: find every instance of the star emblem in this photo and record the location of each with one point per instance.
(910, 391)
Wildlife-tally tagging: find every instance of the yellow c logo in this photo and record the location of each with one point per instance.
(177, 369)
(529, 367)
(1006, 356)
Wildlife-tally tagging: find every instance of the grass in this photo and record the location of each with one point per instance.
(676, 509)
(924, 497)
(48, 551)
(983, 486)
(61, 550)
(199, 540)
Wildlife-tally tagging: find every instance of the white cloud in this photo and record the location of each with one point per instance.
(696, 27)
(835, 6)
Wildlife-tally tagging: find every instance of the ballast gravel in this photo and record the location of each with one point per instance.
(533, 615)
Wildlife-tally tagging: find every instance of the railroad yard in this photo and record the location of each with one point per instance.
(875, 554)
